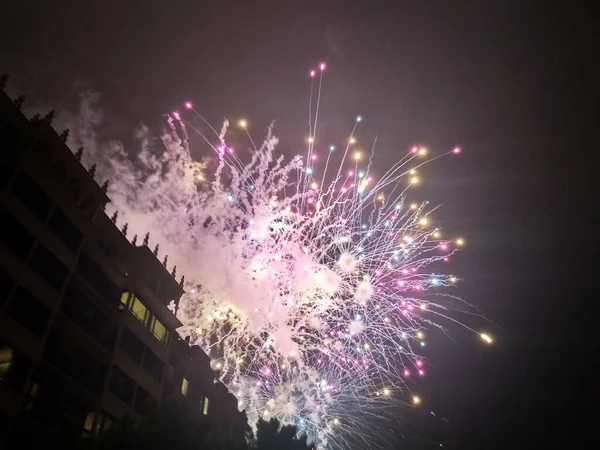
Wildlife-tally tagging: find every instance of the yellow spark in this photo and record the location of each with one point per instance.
(408, 239)
(200, 177)
(423, 221)
(460, 242)
(336, 421)
(416, 399)
(218, 365)
(420, 334)
(413, 206)
(310, 140)
(386, 319)
(352, 141)
(380, 197)
(486, 338)
(436, 234)
(423, 306)
(422, 151)
(386, 392)
(313, 185)
(414, 180)
(366, 346)
(452, 279)
(357, 155)
(243, 123)
(377, 306)
(412, 172)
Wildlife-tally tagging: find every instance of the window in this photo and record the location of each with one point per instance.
(88, 425)
(153, 364)
(143, 401)
(64, 229)
(124, 298)
(7, 356)
(29, 311)
(205, 405)
(6, 284)
(49, 267)
(159, 330)
(14, 235)
(184, 386)
(96, 278)
(73, 358)
(105, 422)
(32, 195)
(131, 345)
(14, 367)
(139, 309)
(87, 316)
(121, 385)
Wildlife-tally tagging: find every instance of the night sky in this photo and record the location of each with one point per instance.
(508, 82)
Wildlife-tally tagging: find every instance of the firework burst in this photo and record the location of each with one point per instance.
(311, 282)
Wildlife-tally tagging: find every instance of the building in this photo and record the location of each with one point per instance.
(86, 333)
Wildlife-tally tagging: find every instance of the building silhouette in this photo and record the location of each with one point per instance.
(85, 329)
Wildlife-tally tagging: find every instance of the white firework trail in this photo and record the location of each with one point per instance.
(311, 289)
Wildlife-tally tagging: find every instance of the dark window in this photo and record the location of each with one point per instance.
(49, 267)
(131, 345)
(106, 422)
(14, 235)
(74, 359)
(89, 317)
(6, 284)
(121, 385)
(28, 311)
(153, 365)
(64, 229)
(90, 271)
(32, 195)
(143, 401)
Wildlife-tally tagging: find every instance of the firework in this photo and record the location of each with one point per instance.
(311, 282)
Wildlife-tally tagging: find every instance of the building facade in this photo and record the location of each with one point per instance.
(85, 328)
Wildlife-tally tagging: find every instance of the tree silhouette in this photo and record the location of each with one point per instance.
(174, 426)
(272, 435)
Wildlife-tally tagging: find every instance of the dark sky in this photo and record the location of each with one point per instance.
(508, 81)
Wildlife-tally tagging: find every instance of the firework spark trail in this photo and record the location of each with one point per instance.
(311, 297)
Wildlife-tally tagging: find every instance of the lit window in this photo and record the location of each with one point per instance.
(6, 360)
(124, 298)
(184, 386)
(89, 422)
(159, 330)
(139, 309)
(205, 406)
